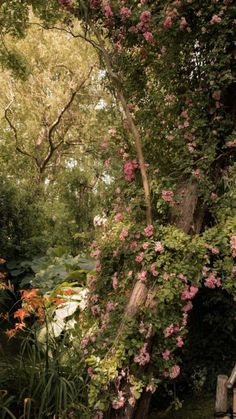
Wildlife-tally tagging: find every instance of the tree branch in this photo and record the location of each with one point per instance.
(13, 128)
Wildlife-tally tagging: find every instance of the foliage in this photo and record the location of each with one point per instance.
(171, 66)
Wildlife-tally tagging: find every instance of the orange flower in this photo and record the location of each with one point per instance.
(58, 301)
(28, 294)
(69, 291)
(21, 314)
(19, 326)
(2, 261)
(10, 333)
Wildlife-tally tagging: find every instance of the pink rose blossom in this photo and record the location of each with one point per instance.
(133, 244)
(149, 37)
(108, 11)
(125, 13)
(168, 22)
(212, 281)
(107, 162)
(142, 276)
(175, 371)
(111, 306)
(143, 357)
(129, 168)
(166, 355)
(124, 234)
(151, 387)
(168, 196)
(179, 341)
(119, 402)
(96, 310)
(183, 23)
(145, 16)
(139, 258)
(215, 19)
(153, 270)
(169, 331)
(187, 307)
(118, 217)
(214, 196)
(145, 245)
(189, 293)
(148, 231)
(159, 248)
(104, 145)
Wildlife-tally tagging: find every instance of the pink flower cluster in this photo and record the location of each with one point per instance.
(107, 10)
(118, 217)
(168, 22)
(215, 19)
(125, 13)
(96, 253)
(187, 307)
(159, 248)
(144, 21)
(143, 357)
(142, 276)
(153, 270)
(169, 331)
(168, 196)
(124, 234)
(189, 292)
(175, 371)
(119, 402)
(183, 23)
(148, 231)
(151, 387)
(129, 168)
(139, 258)
(212, 281)
(166, 355)
(149, 37)
(179, 341)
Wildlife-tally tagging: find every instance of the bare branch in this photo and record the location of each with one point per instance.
(58, 119)
(13, 128)
(70, 32)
